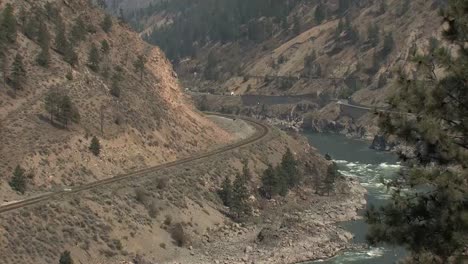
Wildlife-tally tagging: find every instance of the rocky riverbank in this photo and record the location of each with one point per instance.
(291, 231)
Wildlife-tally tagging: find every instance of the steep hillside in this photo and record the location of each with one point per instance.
(71, 73)
(334, 49)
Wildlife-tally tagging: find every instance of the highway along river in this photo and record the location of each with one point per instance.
(355, 159)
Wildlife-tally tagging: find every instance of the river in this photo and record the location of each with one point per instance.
(355, 159)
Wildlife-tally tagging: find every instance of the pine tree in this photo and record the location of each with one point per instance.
(107, 23)
(226, 192)
(240, 198)
(102, 4)
(290, 168)
(30, 28)
(95, 146)
(297, 25)
(60, 107)
(65, 258)
(61, 42)
(115, 86)
(373, 34)
(139, 65)
(430, 113)
(270, 182)
(330, 178)
(319, 13)
(18, 72)
(78, 31)
(70, 55)
(18, 181)
(105, 48)
(43, 58)
(8, 24)
(388, 44)
(245, 171)
(94, 58)
(282, 187)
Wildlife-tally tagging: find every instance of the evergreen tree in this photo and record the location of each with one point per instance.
(245, 171)
(226, 192)
(343, 6)
(78, 31)
(297, 25)
(107, 23)
(388, 44)
(240, 198)
(60, 107)
(139, 65)
(95, 146)
(101, 3)
(430, 113)
(319, 13)
(270, 182)
(290, 168)
(43, 58)
(30, 27)
(373, 34)
(61, 42)
(105, 48)
(330, 178)
(18, 72)
(18, 181)
(65, 258)
(8, 23)
(115, 86)
(282, 181)
(122, 16)
(94, 58)
(70, 55)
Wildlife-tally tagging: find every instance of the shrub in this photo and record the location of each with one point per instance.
(153, 210)
(65, 258)
(140, 195)
(168, 220)
(178, 234)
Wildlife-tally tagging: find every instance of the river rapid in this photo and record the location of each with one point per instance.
(355, 159)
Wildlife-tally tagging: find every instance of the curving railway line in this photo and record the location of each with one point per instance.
(261, 132)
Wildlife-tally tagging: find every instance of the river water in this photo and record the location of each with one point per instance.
(354, 158)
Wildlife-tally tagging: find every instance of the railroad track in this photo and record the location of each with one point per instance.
(261, 132)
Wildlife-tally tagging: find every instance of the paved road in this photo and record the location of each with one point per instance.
(261, 132)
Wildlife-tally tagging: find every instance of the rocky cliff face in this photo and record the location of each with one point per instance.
(140, 117)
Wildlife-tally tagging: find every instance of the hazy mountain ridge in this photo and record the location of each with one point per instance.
(343, 40)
